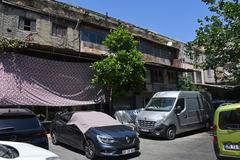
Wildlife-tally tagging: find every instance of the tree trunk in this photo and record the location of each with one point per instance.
(110, 100)
(215, 76)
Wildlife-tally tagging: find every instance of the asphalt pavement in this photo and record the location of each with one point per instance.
(191, 146)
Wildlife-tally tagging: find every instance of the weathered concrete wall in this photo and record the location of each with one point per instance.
(10, 20)
(69, 12)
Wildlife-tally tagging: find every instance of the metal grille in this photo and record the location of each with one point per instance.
(128, 141)
(148, 124)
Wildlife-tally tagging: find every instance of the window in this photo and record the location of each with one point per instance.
(181, 103)
(229, 120)
(172, 77)
(59, 30)
(154, 49)
(199, 77)
(19, 122)
(157, 76)
(209, 73)
(92, 36)
(27, 24)
(160, 104)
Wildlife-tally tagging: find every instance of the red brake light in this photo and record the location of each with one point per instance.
(214, 128)
(215, 139)
(41, 133)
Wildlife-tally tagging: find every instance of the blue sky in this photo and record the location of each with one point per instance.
(176, 19)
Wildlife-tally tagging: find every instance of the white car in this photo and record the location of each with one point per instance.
(24, 151)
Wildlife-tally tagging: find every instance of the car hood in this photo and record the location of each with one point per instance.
(151, 115)
(114, 131)
(28, 151)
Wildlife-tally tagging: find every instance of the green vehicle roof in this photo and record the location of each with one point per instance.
(228, 107)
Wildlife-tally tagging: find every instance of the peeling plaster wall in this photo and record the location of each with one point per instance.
(69, 12)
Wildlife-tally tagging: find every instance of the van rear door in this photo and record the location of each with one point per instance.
(229, 132)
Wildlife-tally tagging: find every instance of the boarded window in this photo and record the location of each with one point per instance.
(59, 30)
(27, 24)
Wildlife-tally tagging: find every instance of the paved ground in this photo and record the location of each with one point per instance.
(191, 146)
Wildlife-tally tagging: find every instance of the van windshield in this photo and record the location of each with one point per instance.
(160, 104)
(229, 120)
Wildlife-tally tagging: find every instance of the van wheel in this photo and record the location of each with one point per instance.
(54, 138)
(171, 133)
(89, 149)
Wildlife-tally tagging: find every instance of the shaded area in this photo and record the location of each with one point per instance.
(27, 80)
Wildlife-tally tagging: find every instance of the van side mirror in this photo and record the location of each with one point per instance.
(178, 109)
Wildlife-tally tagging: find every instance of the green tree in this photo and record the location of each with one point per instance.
(123, 69)
(218, 35)
(10, 45)
(186, 84)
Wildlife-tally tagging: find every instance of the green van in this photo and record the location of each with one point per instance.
(227, 132)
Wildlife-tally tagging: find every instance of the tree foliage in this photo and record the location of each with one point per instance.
(123, 69)
(218, 35)
(186, 84)
(9, 45)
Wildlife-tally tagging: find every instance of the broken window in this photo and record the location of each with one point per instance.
(59, 30)
(27, 24)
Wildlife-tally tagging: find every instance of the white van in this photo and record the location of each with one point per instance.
(173, 112)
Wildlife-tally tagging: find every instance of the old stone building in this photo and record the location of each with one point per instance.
(64, 40)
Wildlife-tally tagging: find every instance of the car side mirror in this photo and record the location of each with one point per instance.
(178, 109)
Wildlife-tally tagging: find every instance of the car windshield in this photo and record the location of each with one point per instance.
(18, 123)
(160, 104)
(229, 120)
(8, 152)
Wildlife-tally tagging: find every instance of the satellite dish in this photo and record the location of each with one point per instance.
(169, 43)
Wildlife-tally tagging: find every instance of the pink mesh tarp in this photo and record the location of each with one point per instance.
(86, 120)
(27, 80)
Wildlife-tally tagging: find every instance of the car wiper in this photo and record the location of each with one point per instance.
(7, 129)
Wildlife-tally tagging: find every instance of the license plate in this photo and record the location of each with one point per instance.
(235, 147)
(145, 130)
(128, 151)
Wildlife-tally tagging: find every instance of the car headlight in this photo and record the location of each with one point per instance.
(105, 139)
(53, 158)
(136, 122)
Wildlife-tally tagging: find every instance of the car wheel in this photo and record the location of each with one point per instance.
(54, 138)
(207, 125)
(89, 149)
(171, 133)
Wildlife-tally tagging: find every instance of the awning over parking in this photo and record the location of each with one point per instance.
(27, 80)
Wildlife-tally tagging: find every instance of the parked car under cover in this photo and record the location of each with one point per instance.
(96, 133)
(22, 125)
(24, 151)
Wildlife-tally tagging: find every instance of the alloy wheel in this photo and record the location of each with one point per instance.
(89, 149)
(54, 138)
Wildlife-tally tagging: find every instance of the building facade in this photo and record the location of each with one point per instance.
(69, 36)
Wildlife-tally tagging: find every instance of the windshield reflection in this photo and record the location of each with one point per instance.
(160, 104)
